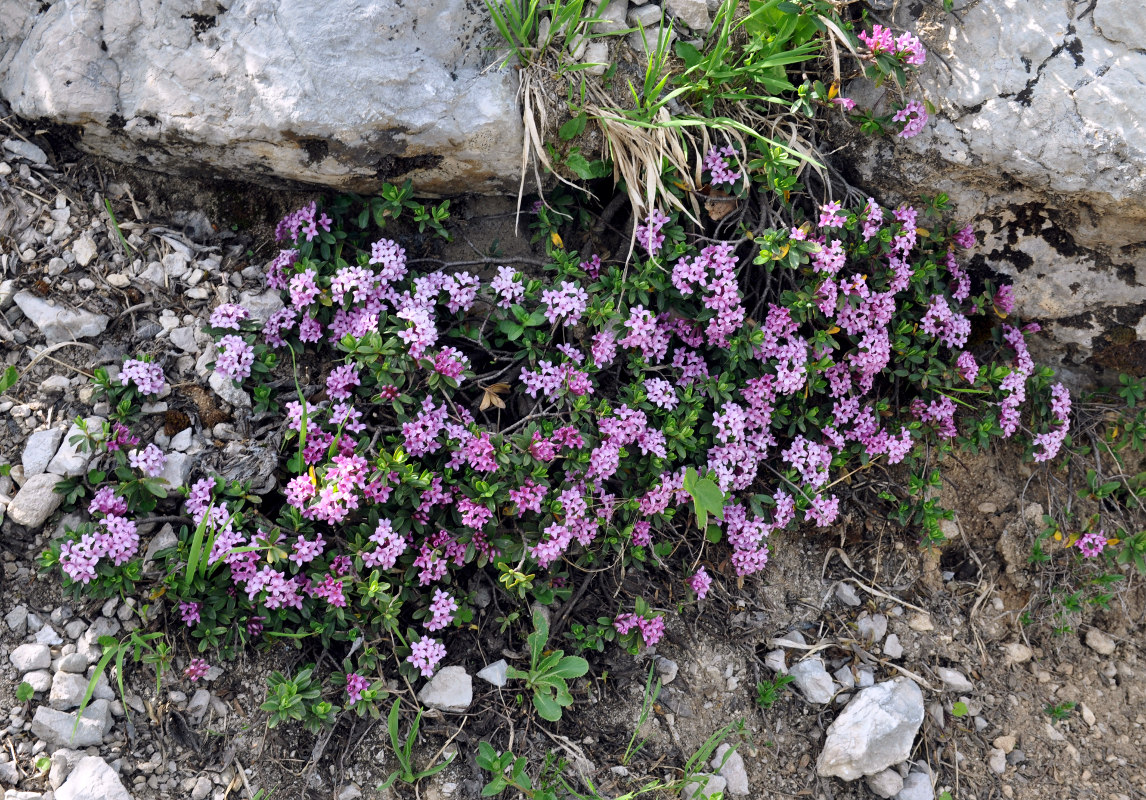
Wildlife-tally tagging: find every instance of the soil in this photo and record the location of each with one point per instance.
(957, 606)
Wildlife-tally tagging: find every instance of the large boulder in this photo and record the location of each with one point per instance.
(344, 93)
(1040, 141)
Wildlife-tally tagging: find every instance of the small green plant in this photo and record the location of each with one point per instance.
(768, 692)
(508, 771)
(959, 709)
(652, 691)
(403, 751)
(144, 648)
(24, 692)
(1060, 712)
(547, 675)
(298, 699)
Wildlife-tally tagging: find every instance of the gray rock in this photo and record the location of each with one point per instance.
(247, 95)
(612, 14)
(495, 673)
(892, 647)
(596, 54)
(1017, 653)
(184, 339)
(648, 39)
(730, 765)
(693, 13)
(865, 678)
(40, 680)
(954, 680)
(887, 783)
(202, 788)
(1099, 642)
(8, 774)
(1058, 115)
(163, 540)
(845, 676)
(75, 629)
(60, 324)
(85, 250)
(26, 151)
(197, 708)
(64, 760)
(17, 620)
(177, 469)
(261, 304)
(997, 761)
(916, 786)
(88, 644)
(47, 635)
(643, 16)
(874, 731)
(451, 689)
(776, 660)
(56, 727)
(666, 669)
(846, 594)
(28, 657)
(36, 501)
(75, 663)
(704, 786)
(872, 627)
(68, 690)
(182, 440)
(69, 460)
(813, 680)
(93, 779)
(39, 449)
(226, 389)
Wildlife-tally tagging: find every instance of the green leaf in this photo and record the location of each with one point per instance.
(8, 379)
(573, 128)
(571, 667)
(581, 166)
(959, 709)
(547, 707)
(24, 692)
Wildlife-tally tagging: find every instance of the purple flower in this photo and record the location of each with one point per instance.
(507, 286)
(830, 216)
(425, 655)
(1092, 544)
(149, 461)
(451, 362)
(303, 289)
(700, 583)
(718, 165)
(649, 234)
(566, 303)
(196, 669)
(1005, 298)
(965, 238)
(340, 381)
(229, 315)
(355, 686)
(190, 613)
(441, 610)
(235, 359)
(914, 117)
(148, 378)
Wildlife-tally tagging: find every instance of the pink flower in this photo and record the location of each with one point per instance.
(425, 655)
(149, 461)
(196, 669)
(700, 583)
(190, 613)
(147, 377)
(845, 102)
(441, 610)
(1092, 544)
(914, 117)
(355, 686)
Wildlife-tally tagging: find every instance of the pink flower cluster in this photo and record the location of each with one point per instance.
(649, 234)
(651, 629)
(1092, 544)
(1052, 440)
(914, 119)
(716, 161)
(115, 538)
(149, 461)
(235, 358)
(906, 45)
(305, 221)
(425, 653)
(147, 377)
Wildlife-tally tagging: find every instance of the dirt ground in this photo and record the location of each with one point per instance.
(957, 607)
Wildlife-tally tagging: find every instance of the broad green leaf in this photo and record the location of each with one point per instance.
(547, 707)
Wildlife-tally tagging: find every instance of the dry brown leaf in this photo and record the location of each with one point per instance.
(719, 205)
(490, 396)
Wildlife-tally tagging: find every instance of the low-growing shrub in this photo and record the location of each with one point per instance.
(668, 413)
